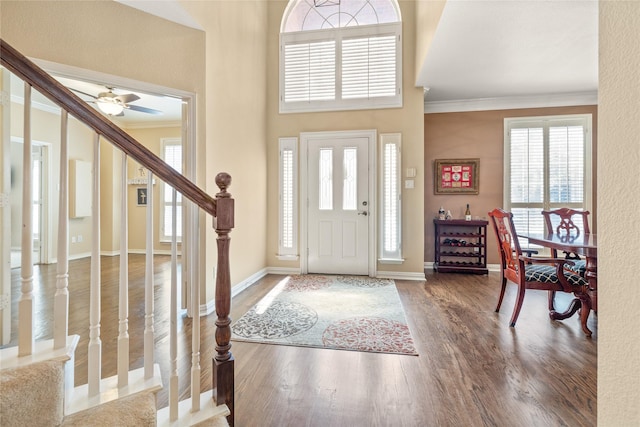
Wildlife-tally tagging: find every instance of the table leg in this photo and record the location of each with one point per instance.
(582, 303)
(592, 276)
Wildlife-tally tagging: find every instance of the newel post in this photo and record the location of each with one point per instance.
(223, 363)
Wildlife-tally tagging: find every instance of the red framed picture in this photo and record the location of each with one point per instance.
(456, 176)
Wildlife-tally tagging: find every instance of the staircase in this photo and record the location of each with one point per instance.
(37, 377)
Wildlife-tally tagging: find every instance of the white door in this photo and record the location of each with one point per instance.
(338, 205)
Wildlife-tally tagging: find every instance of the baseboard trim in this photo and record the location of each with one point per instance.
(210, 306)
(401, 275)
(282, 270)
(490, 267)
(155, 252)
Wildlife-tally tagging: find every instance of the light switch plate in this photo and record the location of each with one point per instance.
(408, 183)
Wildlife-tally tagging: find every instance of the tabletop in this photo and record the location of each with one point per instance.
(584, 243)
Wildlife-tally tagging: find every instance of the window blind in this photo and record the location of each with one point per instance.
(369, 67)
(172, 155)
(341, 69)
(310, 71)
(391, 208)
(546, 168)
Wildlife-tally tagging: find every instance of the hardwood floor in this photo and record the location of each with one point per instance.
(472, 368)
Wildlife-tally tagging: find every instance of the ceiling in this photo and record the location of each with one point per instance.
(512, 52)
(170, 106)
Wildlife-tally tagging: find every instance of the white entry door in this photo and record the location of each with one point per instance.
(338, 205)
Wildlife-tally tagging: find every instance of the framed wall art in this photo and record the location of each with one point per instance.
(141, 196)
(456, 176)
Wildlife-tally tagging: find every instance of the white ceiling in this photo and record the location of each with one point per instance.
(170, 106)
(512, 50)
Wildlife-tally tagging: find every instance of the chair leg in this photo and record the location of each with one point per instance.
(518, 306)
(552, 297)
(585, 310)
(504, 286)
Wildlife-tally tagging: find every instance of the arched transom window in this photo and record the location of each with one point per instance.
(340, 55)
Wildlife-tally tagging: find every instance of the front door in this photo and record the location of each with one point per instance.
(338, 205)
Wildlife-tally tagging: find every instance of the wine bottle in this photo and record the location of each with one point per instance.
(467, 213)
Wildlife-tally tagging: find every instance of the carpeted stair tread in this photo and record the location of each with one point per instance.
(138, 410)
(214, 422)
(32, 395)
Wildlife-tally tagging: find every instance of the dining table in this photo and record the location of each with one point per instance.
(584, 244)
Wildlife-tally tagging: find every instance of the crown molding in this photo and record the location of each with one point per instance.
(512, 102)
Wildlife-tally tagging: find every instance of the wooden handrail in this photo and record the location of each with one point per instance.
(63, 97)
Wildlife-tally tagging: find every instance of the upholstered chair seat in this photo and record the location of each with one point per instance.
(548, 274)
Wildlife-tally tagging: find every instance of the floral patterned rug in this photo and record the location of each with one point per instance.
(338, 312)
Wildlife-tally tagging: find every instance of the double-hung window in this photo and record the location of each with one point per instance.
(340, 56)
(547, 166)
(172, 155)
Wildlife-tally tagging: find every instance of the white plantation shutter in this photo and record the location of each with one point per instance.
(310, 71)
(369, 67)
(546, 167)
(391, 198)
(288, 202)
(341, 69)
(566, 165)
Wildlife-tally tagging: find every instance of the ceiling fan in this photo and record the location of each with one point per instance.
(114, 105)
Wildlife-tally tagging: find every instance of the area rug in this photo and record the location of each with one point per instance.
(337, 312)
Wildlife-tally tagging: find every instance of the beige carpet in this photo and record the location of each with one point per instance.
(32, 395)
(133, 411)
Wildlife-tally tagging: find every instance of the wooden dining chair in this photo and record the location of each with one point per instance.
(561, 222)
(547, 274)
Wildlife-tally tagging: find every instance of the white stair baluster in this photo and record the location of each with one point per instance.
(148, 288)
(25, 305)
(123, 308)
(95, 345)
(195, 346)
(173, 339)
(61, 299)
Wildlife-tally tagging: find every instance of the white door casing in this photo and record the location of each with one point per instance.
(338, 209)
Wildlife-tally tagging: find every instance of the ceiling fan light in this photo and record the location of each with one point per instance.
(110, 108)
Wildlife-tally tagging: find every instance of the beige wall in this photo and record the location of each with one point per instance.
(478, 134)
(150, 138)
(236, 124)
(406, 120)
(46, 130)
(618, 207)
(427, 15)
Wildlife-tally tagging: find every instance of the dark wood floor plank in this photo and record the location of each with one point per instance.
(472, 368)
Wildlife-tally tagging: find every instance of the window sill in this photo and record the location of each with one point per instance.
(390, 260)
(168, 241)
(287, 257)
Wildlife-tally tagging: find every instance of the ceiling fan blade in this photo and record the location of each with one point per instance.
(84, 93)
(143, 109)
(128, 97)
